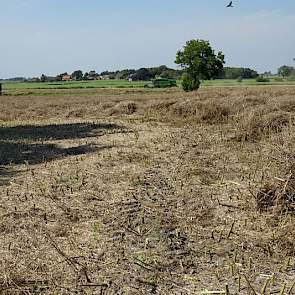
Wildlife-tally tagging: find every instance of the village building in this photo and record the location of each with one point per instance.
(92, 75)
(66, 78)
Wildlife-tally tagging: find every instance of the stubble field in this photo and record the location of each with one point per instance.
(134, 191)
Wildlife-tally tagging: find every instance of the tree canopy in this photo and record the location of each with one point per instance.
(77, 75)
(144, 73)
(199, 61)
(285, 71)
(235, 73)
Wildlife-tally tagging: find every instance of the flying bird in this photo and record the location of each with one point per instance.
(230, 4)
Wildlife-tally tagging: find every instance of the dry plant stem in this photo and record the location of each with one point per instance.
(283, 289)
(263, 290)
(231, 229)
(291, 288)
(227, 290)
(250, 285)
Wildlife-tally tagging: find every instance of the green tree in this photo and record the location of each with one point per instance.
(85, 76)
(199, 61)
(188, 84)
(235, 73)
(168, 74)
(125, 74)
(77, 75)
(43, 78)
(142, 74)
(285, 71)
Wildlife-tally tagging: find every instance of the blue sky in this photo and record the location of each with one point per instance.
(53, 36)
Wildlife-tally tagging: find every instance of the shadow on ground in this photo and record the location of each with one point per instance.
(57, 131)
(27, 144)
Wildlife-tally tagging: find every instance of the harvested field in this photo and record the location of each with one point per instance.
(134, 191)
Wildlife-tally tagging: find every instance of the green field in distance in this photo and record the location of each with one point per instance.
(126, 84)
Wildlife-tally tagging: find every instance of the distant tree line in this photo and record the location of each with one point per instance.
(144, 74)
(15, 79)
(236, 73)
(75, 76)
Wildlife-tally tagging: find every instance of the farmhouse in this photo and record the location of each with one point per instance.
(93, 75)
(66, 78)
(104, 77)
